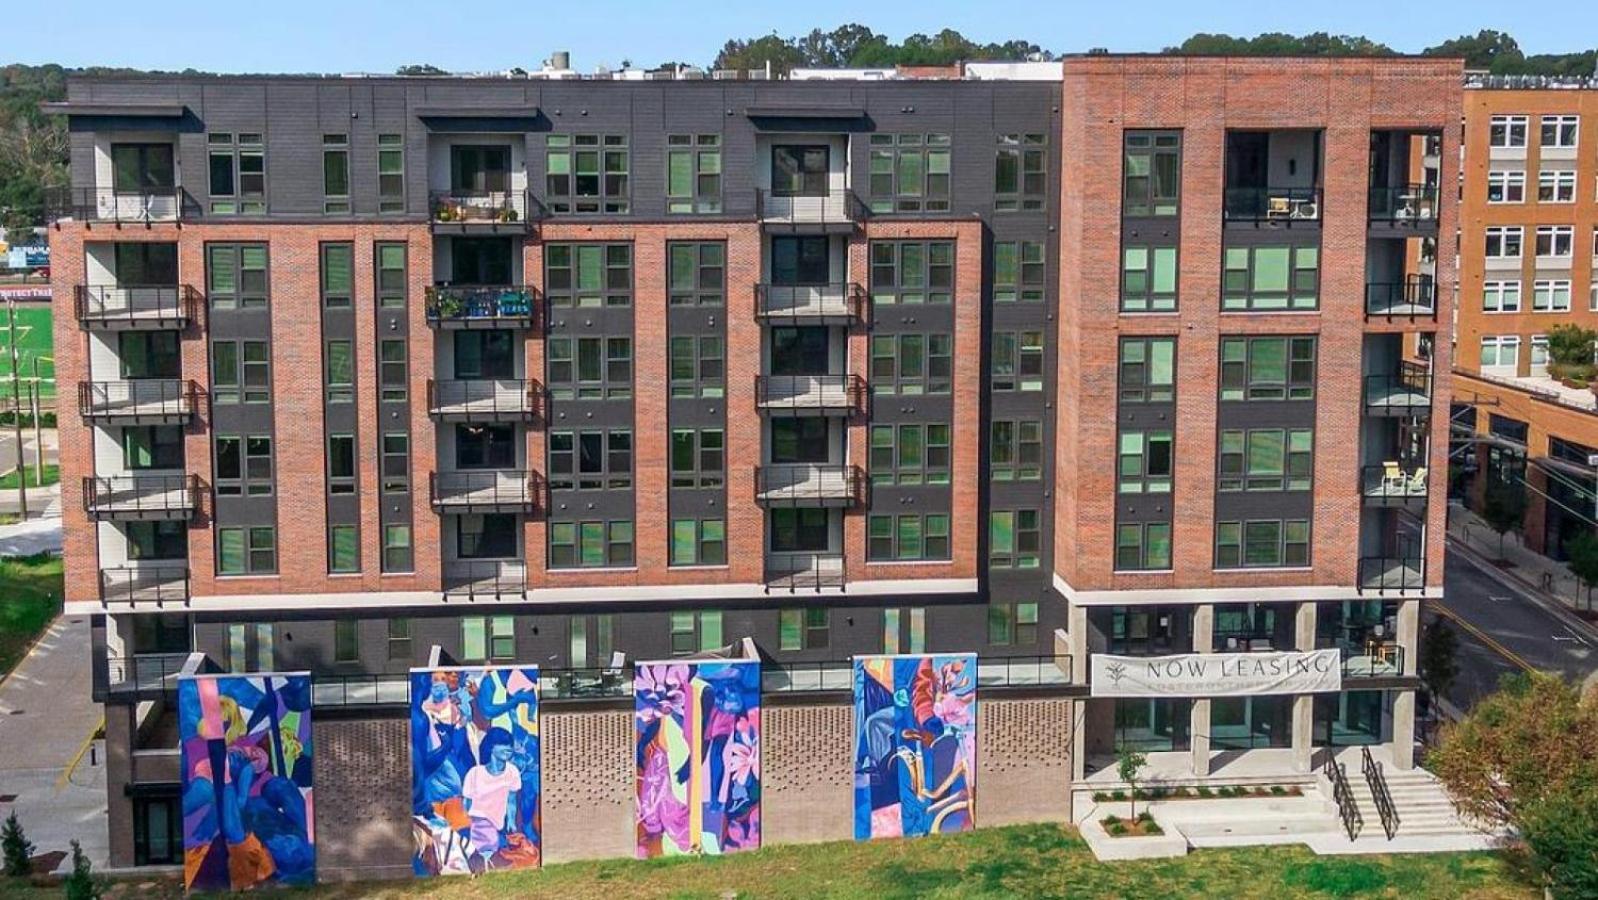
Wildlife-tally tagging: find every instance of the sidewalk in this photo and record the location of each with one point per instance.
(1533, 571)
(40, 534)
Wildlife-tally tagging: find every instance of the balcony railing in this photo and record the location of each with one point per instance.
(154, 400)
(1412, 299)
(810, 394)
(500, 489)
(134, 497)
(511, 209)
(144, 675)
(1408, 393)
(843, 301)
(992, 672)
(135, 306)
(804, 571)
(1404, 204)
(1392, 573)
(360, 690)
(1274, 205)
(130, 207)
(1392, 484)
(837, 206)
(144, 585)
(809, 485)
(485, 400)
(483, 306)
(1374, 659)
(485, 579)
(585, 684)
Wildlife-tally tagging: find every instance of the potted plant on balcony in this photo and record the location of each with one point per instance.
(508, 214)
(445, 304)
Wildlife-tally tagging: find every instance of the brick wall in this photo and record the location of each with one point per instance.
(363, 799)
(590, 794)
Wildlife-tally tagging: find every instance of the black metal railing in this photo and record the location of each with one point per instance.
(1374, 659)
(490, 489)
(126, 207)
(1394, 484)
(483, 306)
(141, 496)
(1407, 393)
(462, 207)
(485, 579)
(833, 300)
(1392, 573)
(162, 398)
(1347, 809)
(1283, 205)
(144, 675)
(1404, 204)
(1415, 298)
(795, 393)
(486, 400)
(837, 205)
(1022, 671)
(1377, 782)
(169, 305)
(360, 690)
(149, 584)
(804, 571)
(810, 485)
(585, 683)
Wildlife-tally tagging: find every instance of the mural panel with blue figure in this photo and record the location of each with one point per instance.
(915, 744)
(248, 818)
(475, 779)
(698, 756)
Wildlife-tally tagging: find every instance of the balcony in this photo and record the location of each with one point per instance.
(132, 498)
(992, 672)
(144, 585)
(329, 690)
(120, 207)
(1391, 484)
(1257, 206)
(483, 306)
(135, 307)
(795, 572)
(1409, 393)
(1375, 659)
(840, 303)
(485, 579)
(483, 212)
(485, 400)
(144, 676)
(810, 485)
(1404, 207)
(1395, 574)
(166, 401)
(836, 210)
(489, 491)
(1412, 299)
(810, 395)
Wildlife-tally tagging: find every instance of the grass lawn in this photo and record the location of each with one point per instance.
(51, 476)
(34, 339)
(1026, 861)
(30, 596)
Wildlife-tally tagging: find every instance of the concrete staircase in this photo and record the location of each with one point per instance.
(1427, 820)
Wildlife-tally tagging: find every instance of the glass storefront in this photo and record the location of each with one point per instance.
(1153, 725)
(1350, 719)
(1246, 723)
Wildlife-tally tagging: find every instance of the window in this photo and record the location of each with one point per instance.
(148, 354)
(1560, 131)
(698, 367)
(1556, 186)
(485, 445)
(1268, 368)
(593, 640)
(799, 530)
(340, 363)
(158, 539)
(910, 454)
(341, 464)
(1012, 623)
(586, 173)
(1503, 241)
(485, 354)
(1550, 296)
(803, 629)
(698, 542)
(589, 368)
(1019, 271)
(1020, 172)
(391, 277)
(142, 168)
(397, 548)
(698, 273)
(590, 545)
(390, 173)
(343, 549)
(1555, 241)
(799, 440)
(237, 173)
(802, 260)
(1017, 361)
(396, 461)
(346, 641)
(912, 272)
(1265, 277)
(1507, 131)
(488, 637)
(335, 173)
(1151, 174)
(911, 364)
(479, 170)
(589, 275)
(1500, 296)
(800, 170)
(1500, 352)
(909, 173)
(698, 457)
(895, 621)
(1506, 187)
(392, 377)
(1015, 539)
(1266, 459)
(399, 639)
(907, 537)
(486, 536)
(246, 551)
(236, 276)
(157, 831)
(243, 465)
(1261, 543)
(693, 173)
(1539, 353)
(338, 266)
(152, 447)
(1145, 462)
(1148, 370)
(1015, 450)
(241, 370)
(590, 460)
(1148, 279)
(695, 632)
(1142, 546)
(145, 263)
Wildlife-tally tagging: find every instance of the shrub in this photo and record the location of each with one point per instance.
(16, 847)
(82, 883)
(1118, 795)
(1204, 791)
(1100, 797)
(1278, 790)
(1111, 820)
(1153, 828)
(1118, 829)
(1145, 816)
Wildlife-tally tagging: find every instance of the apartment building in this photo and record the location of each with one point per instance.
(1038, 362)
(1528, 263)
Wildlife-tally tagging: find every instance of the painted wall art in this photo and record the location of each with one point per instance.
(248, 819)
(697, 756)
(475, 778)
(915, 745)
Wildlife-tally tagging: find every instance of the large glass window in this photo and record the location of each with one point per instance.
(1015, 539)
(586, 173)
(1151, 173)
(800, 170)
(335, 173)
(907, 537)
(909, 173)
(1262, 543)
(911, 364)
(1148, 370)
(698, 273)
(486, 536)
(1271, 277)
(1148, 278)
(142, 168)
(1268, 368)
(237, 168)
(589, 275)
(693, 173)
(1020, 173)
(1266, 459)
(698, 542)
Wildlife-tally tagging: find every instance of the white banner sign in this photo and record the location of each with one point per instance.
(1218, 674)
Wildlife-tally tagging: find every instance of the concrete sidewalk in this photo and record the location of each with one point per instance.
(40, 534)
(1548, 578)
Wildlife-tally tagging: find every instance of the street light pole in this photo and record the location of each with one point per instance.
(16, 406)
(38, 434)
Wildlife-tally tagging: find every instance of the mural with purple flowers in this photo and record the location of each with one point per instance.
(915, 756)
(697, 756)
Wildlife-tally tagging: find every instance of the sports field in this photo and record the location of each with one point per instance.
(35, 339)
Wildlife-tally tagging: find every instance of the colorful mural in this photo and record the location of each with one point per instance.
(915, 744)
(698, 756)
(475, 780)
(246, 752)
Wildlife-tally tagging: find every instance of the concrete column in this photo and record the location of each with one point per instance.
(1404, 730)
(1304, 626)
(1304, 704)
(1077, 631)
(1199, 725)
(1408, 636)
(1079, 740)
(117, 636)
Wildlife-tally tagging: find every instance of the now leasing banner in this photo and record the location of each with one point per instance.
(1218, 674)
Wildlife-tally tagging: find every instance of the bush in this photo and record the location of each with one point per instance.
(1145, 816)
(82, 884)
(1100, 797)
(17, 848)
(1205, 791)
(1153, 828)
(1118, 829)
(1110, 820)
(1118, 796)
(1278, 790)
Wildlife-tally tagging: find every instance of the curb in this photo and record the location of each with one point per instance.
(1552, 605)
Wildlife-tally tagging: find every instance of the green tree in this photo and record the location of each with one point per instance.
(1570, 353)
(1129, 765)
(16, 847)
(1439, 658)
(82, 884)
(420, 69)
(1317, 43)
(1486, 49)
(1583, 562)
(1504, 511)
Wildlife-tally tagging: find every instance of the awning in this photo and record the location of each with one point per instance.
(479, 119)
(119, 110)
(807, 118)
(1564, 467)
(477, 112)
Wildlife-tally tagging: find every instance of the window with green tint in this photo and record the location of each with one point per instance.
(910, 454)
(1016, 361)
(698, 366)
(397, 548)
(340, 372)
(346, 640)
(1262, 543)
(390, 173)
(391, 275)
(907, 537)
(236, 276)
(693, 173)
(1012, 623)
(909, 173)
(700, 542)
(1268, 368)
(1151, 174)
(1271, 277)
(586, 174)
(1020, 173)
(343, 549)
(335, 173)
(591, 536)
(474, 638)
(911, 364)
(1020, 272)
(1015, 450)
(803, 629)
(1146, 462)
(1014, 539)
(588, 275)
(230, 556)
(338, 266)
(912, 272)
(1148, 279)
(697, 273)
(1266, 459)
(1147, 370)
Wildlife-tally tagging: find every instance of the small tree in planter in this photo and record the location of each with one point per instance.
(1439, 664)
(1583, 563)
(1129, 765)
(17, 848)
(1504, 511)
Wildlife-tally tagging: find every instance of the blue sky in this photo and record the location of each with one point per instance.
(485, 35)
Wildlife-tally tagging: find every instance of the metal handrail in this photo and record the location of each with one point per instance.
(796, 392)
(174, 303)
(1392, 573)
(1347, 810)
(1417, 297)
(99, 204)
(360, 690)
(486, 399)
(1385, 654)
(144, 675)
(490, 304)
(140, 494)
(836, 205)
(484, 578)
(487, 488)
(1404, 203)
(811, 571)
(807, 484)
(133, 585)
(1018, 671)
(1285, 205)
(838, 299)
(1410, 483)
(591, 683)
(1383, 391)
(1377, 782)
(110, 399)
(505, 207)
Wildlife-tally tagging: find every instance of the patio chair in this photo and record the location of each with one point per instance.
(1392, 476)
(1280, 207)
(1417, 481)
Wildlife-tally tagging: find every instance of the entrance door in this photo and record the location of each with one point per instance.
(800, 170)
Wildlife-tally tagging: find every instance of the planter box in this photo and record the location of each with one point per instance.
(1107, 847)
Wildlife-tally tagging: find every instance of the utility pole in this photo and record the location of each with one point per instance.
(38, 435)
(16, 405)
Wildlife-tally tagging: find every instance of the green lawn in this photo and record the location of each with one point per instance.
(1028, 861)
(30, 597)
(8, 481)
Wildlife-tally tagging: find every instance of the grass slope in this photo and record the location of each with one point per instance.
(30, 597)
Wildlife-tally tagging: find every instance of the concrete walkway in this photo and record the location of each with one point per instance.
(51, 768)
(40, 534)
(1535, 572)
